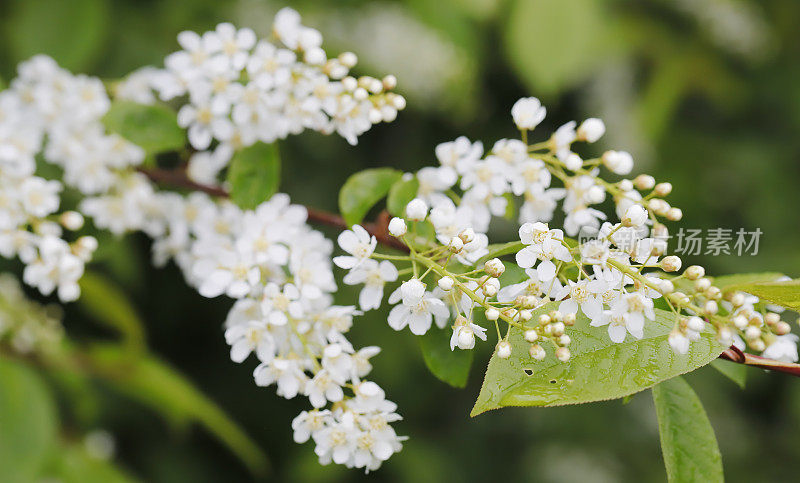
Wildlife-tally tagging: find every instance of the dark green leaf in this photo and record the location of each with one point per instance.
(735, 372)
(687, 439)
(448, 366)
(28, 423)
(401, 192)
(105, 302)
(254, 174)
(599, 369)
(363, 190)
(153, 128)
(71, 31)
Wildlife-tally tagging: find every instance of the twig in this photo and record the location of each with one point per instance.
(380, 229)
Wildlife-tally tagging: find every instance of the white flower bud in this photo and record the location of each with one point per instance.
(503, 349)
(71, 220)
(557, 328)
(537, 352)
(702, 284)
(659, 206)
(360, 94)
(619, 162)
(349, 84)
(591, 130)
(737, 299)
(573, 162)
(531, 336)
(757, 345)
(348, 59)
(466, 338)
(446, 283)
(710, 307)
(666, 286)
(740, 321)
(644, 182)
(389, 82)
(564, 340)
(456, 244)
(544, 319)
(663, 189)
(752, 333)
(725, 336)
(397, 227)
(696, 324)
(635, 216)
(674, 214)
(399, 102)
(694, 272)
(782, 328)
(490, 290)
(569, 319)
(416, 210)
(671, 263)
(494, 267)
(528, 112)
(596, 194)
(467, 235)
(492, 314)
(713, 292)
(563, 354)
(525, 315)
(772, 318)
(626, 185)
(678, 342)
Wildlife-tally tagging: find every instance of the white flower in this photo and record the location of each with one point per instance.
(679, 342)
(248, 337)
(635, 216)
(397, 227)
(233, 44)
(584, 295)
(358, 243)
(528, 112)
(459, 155)
(285, 372)
(280, 303)
(374, 276)
(418, 308)
(416, 210)
(310, 422)
(783, 348)
(543, 244)
(532, 286)
(464, 335)
(323, 387)
(39, 196)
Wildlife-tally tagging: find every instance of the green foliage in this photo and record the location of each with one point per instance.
(154, 127)
(735, 372)
(363, 190)
(162, 388)
(254, 174)
(106, 302)
(687, 439)
(554, 43)
(448, 366)
(74, 465)
(598, 370)
(786, 294)
(730, 283)
(28, 423)
(71, 32)
(400, 194)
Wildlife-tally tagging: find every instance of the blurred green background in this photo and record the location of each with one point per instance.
(704, 93)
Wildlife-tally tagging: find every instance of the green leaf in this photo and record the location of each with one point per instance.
(71, 32)
(104, 301)
(448, 366)
(786, 294)
(728, 283)
(153, 128)
(401, 193)
(28, 422)
(598, 370)
(553, 43)
(254, 174)
(363, 190)
(687, 439)
(735, 372)
(159, 386)
(75, 465)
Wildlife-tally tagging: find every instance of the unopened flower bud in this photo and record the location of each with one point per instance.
(348, 59)
(772, 318)
(563, 354)
(782, 328)
(696, 324)
(625, 185)
(564, 340)
(389, 82)
(544, 319)
(503, 349)
(713, 292)
(573, 162)
(557, 328)
(397, 227)
(619, 162)
(725, 336)
(525, 315)
(702, 284)
(740, 321)
(644, 182)
(467, 235)
(737, 299)
(537, 352)
(591, 130)
(659, 206)
(569, 319)
(490, 290)
(671, 263)
(710, 307)
(531, 336)
(416, 210)
(466, 338)
(757, 345)
(663, 189)
(492, 314)
(635, 216)
(666, 286)
(456, 244)
(446, 283)
(694, 272)
(555, 315)
(71, 220)
(494, 267)
(752, 333)
(596, 194)
(674, 214)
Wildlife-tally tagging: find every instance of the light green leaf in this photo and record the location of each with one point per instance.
(28, 422)
(598, 370)
(363, 190)
(728, 283)
(448, 366)
(153, 128)
(401, 192)
(786, 294)
(71, 32)
(103, 300)
(75, 465)
(553, 43)
(502, 249)
(159, 386)
(735, 372)
(254, 174)
(687, 439)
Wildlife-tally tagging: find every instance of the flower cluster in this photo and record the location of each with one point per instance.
(614, 275)
(26, 326)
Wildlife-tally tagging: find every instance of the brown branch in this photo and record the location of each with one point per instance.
(380, 230)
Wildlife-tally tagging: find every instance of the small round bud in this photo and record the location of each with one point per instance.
(397, 227)
(416, 210)
(466, 338)
(725, 336)
(467, 235)
(564, 340)
(737, 299)
(660, 231)
(537, 352)
(671, 263)
(446, 283)
(591, 130)
(678, 298)
(503, 349)
(596, 194)
(71, 220)
(635, 216)
(494, 267)
(757, 345)
(659, 206)
(563, 354)
(644, 182)
(492, 314)
(740, 321)
(490, 290)
(666, 286)
(626, 185)
(710, 307)
(782, 328)
(456, 244)
(348, 59)
(663, 189)
(619, 162)
(573, 162)
(694, 272)
(525, 315)
(557, 328)
(674, 214)
(349, 84)
(556, 315)
(752, 333)
(361, 94)
(569, 319)
(399, 102)
(389, 82)
(531, 336)
(87, 243)
(772, 318)
(702, 284)
(544, 319)
(713, 292)
(696, 324)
